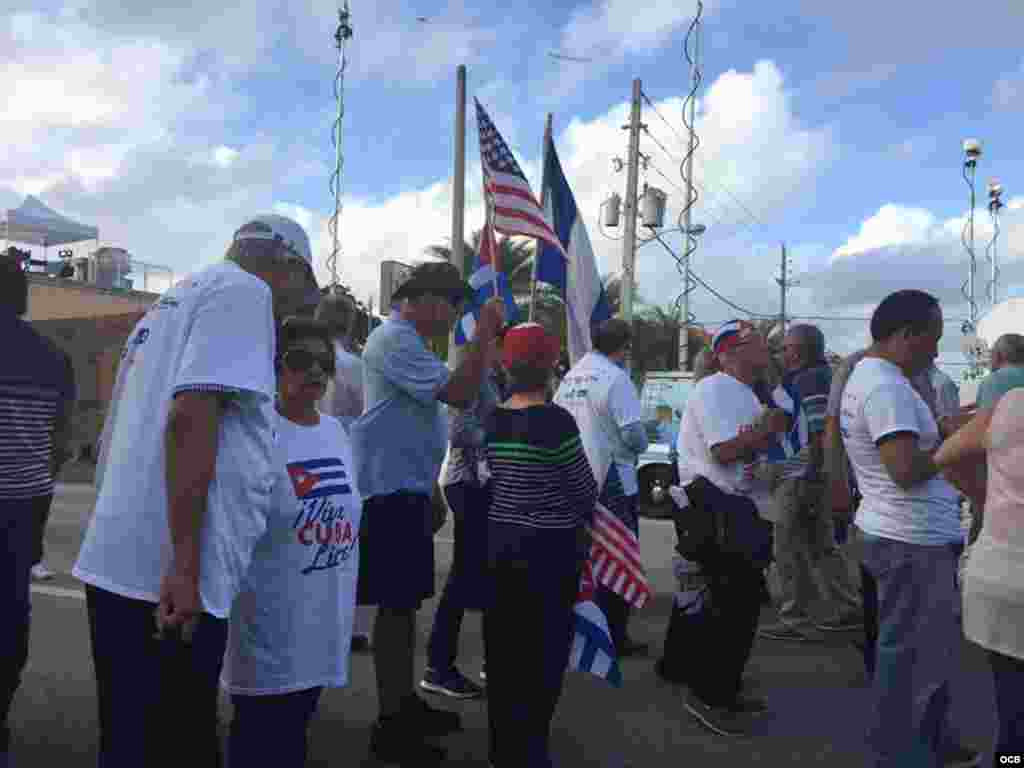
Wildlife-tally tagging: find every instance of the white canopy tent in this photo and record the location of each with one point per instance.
(35, 223)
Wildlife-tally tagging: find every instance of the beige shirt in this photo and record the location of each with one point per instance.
(994, 581)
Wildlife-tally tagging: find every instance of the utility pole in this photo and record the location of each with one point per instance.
(629, 208)
(783, 287)
(458, 193)
(785, 283)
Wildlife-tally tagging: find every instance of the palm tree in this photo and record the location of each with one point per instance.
(516, 259)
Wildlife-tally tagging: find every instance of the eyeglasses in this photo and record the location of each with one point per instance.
(301, 360)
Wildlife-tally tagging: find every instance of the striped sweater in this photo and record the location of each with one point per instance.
(540, 477)
(36, 387)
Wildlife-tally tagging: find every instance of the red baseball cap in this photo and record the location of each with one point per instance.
(529, 343)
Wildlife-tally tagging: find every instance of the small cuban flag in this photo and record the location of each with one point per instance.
(592, 647)
(316, 478)
(483, 281)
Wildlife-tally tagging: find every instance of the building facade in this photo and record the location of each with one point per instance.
(91, 324)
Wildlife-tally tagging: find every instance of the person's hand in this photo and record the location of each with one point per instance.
(775, 420)
(180, 604)
(492, 317)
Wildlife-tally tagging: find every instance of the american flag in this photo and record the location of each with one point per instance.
(592, 647)
(615, 558)
(514, 211)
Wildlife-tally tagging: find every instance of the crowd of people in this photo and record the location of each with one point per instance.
(261, 486)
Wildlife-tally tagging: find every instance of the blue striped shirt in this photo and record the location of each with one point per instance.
(36, 386)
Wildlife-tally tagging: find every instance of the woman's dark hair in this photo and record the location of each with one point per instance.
(612, 336)
(910, 310)
(526, 377)
(296, 328)
(13, 285)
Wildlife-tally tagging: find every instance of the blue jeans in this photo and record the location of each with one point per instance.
(918, 639)
(469, 511)
(19, 526)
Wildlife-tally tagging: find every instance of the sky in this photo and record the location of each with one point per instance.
(832, 127)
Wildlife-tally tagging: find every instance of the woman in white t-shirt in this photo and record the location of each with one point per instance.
(291, 625)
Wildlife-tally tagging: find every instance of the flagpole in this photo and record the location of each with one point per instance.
(543, 196)
(458, 192)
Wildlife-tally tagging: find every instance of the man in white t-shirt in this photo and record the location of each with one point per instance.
(725, 429)
(910, 520)
(599, 394)
(184, 487)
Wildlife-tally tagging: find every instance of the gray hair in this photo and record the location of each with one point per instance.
(811, 340)
(1009, 348)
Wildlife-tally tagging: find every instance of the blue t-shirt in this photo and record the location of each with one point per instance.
(399, 442)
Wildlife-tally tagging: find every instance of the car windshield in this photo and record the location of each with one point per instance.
(663, 411)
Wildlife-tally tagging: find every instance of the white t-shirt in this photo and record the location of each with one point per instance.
(291, 626)
(344, 397)
(213, 331)
(714, 413)
(879, 401)
(602, 399)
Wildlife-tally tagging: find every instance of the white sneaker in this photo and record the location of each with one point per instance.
(41, 573)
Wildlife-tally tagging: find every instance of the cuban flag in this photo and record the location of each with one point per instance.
(317, 478)
(592, 647)
(574, 274)
(487, 273)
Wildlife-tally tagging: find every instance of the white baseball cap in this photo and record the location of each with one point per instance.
(271, 226)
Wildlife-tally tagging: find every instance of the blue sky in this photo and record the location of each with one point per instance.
(837, 125)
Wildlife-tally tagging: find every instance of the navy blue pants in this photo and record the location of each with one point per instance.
(463, 587)
(1008, 674)
(19, 527)
(271, 730)
(157, 698)
(528, 628)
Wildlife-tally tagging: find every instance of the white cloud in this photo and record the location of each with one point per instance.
(620, 27)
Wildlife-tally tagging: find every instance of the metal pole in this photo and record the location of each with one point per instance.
(632, 179)
(684, 330)
(543, 199)
(458, 192)
(974, 264)
(783, 287)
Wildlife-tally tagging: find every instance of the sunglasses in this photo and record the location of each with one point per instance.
(301, 360)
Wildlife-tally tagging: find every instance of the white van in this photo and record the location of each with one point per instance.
(662, 399)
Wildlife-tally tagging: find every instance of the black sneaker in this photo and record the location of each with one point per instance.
(392, 742)
(721, 720)
(746, 704)
(431, 721)
(452, 684)
(960, 757)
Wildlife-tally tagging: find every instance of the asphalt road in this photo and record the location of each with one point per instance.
(816, 690)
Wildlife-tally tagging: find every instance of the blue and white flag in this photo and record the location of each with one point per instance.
(592, 648)
(482, 282)
(575, 275)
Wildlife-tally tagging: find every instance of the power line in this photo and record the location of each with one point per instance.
(664, 149)
(663, 119)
